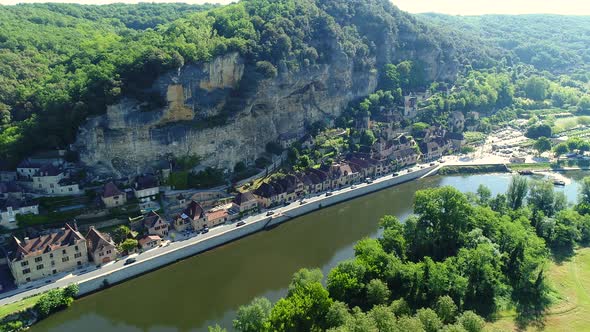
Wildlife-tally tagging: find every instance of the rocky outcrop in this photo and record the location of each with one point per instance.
(128, 140)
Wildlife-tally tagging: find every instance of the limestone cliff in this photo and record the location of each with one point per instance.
(127, 140)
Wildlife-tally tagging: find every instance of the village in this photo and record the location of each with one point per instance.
(103, 223)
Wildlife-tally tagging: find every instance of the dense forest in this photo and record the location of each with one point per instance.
(458, 258)
(549, 42)
(61, 63)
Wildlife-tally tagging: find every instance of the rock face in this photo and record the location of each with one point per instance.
(127, 140)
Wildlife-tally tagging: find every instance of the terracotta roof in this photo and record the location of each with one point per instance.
(217, 214)
(148, 238)
(242, 198)
(98, 241)
(65, 237)
(111, 190)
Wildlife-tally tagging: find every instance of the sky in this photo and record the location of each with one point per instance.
(453, 7)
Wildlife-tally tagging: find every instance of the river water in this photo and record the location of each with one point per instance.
(207, 289)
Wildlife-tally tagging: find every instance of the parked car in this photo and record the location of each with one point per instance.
(432, 164)
(302, 202)
(270, 213)
(395, 174)
(205, 231)
(130, 261)
(240, 223)
(328, 194)
(369, 180)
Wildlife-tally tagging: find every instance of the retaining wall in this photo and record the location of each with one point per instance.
(93, 284)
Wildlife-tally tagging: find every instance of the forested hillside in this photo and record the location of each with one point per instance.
(555, 43)
(61, 63)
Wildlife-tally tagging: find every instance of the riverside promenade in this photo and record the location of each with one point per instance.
(91, 279)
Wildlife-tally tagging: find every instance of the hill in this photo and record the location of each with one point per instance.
(63, 63)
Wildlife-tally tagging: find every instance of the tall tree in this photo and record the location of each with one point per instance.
(517, 191)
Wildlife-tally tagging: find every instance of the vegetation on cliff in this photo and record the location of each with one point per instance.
(61, 63)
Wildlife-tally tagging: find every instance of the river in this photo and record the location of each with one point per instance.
(208, 288)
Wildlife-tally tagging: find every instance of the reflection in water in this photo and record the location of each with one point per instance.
(208, 288)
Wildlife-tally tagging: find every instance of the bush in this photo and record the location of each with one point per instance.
(267, 69)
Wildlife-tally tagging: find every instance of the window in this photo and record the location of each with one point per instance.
(79, 263)
(26, 271)
(108, 252)
(52, 263)
(38, 259)
(51, 255)
(63, 251)
(65, 259)
(70, 189)
(40, 267)
(100, 254)
(78, 255)
(76, 248)
(28, 279)
(24, 263)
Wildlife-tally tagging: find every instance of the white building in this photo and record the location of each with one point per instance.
(9, 209)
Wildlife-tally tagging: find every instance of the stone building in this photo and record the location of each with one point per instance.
(59, 251)
(101, 247)
(112, 197)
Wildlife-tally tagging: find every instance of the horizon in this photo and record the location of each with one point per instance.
(449, 7)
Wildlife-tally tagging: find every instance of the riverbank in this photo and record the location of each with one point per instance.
(473, 169)
(96, 279)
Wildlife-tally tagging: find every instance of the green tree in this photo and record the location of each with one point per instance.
(471, 321)
(517, 191)
(120, 233)
(253, 317)
(536, 88)
(383, 317)
(216, 328)
(337, 315)
(128, 245)
(377, 292)
(392, 240)
(346, 281)
(443, 215)
(484, 194)
(542, 144)
(446, 309)
(429, 319)
(542, 197)
(584, 196)
(561, 149)
(584, 104)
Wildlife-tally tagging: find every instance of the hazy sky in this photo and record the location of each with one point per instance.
(462, 7)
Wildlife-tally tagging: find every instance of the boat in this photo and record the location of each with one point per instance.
(525, 172)
(558, 182)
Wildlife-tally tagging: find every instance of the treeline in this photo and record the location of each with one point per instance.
(528, 38)
(459, 258)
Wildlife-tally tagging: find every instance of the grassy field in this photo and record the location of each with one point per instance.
(571, 308)
(532, 167)
(11, 308)
(564, 124)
